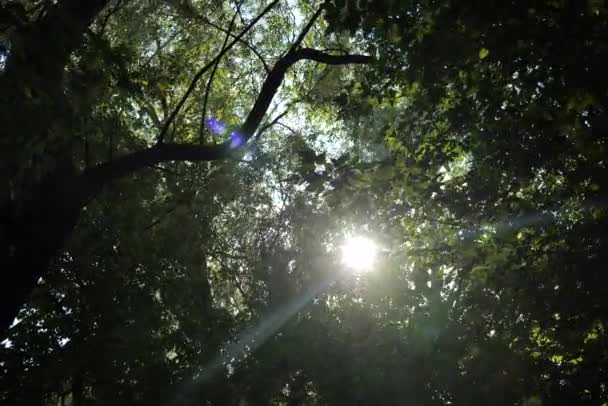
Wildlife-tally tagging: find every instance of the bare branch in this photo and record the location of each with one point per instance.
(96, 177)
(208, 66)
(276, 76)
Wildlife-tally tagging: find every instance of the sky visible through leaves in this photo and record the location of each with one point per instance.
(303, 203)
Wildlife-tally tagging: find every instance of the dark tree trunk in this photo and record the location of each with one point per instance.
(31, 239)
(35, 217)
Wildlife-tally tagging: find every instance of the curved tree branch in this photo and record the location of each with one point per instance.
(96, 177)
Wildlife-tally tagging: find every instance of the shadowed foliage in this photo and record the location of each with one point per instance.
(179, 178)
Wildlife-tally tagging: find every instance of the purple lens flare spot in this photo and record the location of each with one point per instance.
(215, 125)
(236, 139)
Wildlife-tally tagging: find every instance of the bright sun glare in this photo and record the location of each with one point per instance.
(359, 253)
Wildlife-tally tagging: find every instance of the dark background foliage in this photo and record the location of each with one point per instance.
(148, 259)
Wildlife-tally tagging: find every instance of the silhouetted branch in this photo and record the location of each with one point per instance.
(306, 29)
(164, 152)
(205, 68)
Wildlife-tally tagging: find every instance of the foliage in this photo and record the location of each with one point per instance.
(472, 150)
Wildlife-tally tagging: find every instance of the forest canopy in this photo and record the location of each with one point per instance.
(302, 202)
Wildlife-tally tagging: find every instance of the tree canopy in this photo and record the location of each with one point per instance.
(299, 203)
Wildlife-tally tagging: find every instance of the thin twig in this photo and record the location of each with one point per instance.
(242, 41)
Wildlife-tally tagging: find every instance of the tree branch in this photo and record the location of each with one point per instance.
(276, 76)
(306, 29)
(208, 66)
(160, 218)
(94, 178)
(160, 47)
(330, 59)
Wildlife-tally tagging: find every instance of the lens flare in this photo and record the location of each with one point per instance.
(236, 139)
(215, 125)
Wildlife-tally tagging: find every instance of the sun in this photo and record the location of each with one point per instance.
(359, 253)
